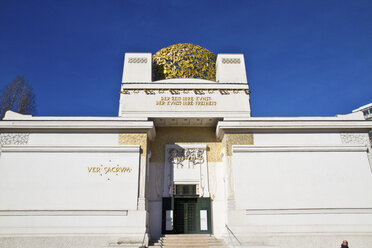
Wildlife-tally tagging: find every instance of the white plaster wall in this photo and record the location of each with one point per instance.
(230, 72)
(154, 194)
(287, 180)
(297, 139)
(154, 182)
(49, 223)
(217, 191)
(322, 228)
(137, 67)
(48, 191)
(155, 218)
(53, 180)
(74, 139)
(301, 199)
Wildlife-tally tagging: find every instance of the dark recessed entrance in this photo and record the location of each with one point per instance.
(185, 215)
(185, 212)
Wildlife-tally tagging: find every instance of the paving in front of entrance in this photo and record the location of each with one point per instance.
(188, 240)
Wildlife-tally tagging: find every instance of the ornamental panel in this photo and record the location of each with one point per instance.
(134, 139)
(14, 138)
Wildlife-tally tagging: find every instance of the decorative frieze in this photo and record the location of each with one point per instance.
(14, 138)
(230, 61)
(354, 138)
(182, 156)
(137, 60)
(155, 91)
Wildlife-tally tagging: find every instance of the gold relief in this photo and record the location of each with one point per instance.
(224, 91)
(153, 91)
(185, 135)
(231, 139)
(184, 61)
(199, 92)
(214, 152)
(134, 139)
(174, 91)
(149, 92)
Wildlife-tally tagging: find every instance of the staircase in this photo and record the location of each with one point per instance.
(187, 240)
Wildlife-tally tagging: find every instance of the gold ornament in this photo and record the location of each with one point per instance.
(184, 61)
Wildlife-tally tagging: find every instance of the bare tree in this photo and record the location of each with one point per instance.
(17, 96)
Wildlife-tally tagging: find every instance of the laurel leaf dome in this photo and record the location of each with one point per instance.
(184, 60)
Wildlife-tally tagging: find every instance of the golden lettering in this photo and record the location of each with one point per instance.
(113, 169)
(94, 169)
(186, 101)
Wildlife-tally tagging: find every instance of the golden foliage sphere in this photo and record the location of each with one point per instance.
(184, 61)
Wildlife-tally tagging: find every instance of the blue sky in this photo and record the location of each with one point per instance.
(303, 58)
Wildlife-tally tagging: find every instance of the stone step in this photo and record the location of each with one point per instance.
(187, 240)
(192, 242)
(255, 246)
(193, 245)
(184, 239)
(189, 243)
(188, 235)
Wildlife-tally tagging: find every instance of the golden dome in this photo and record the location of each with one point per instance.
(184, 61)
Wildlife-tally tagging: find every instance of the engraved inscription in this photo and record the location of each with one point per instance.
(106, 170)
(186, 101)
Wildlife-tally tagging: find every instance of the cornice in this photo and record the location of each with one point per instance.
(333, 148)
(184, 86)
(178, 90)
(102, 125)
(292, 124)
(121, 148)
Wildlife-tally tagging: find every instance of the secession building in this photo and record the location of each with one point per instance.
(185, 156)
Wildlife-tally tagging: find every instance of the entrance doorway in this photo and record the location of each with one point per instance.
(186, 215)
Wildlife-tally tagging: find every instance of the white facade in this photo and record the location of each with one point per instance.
(271, 182)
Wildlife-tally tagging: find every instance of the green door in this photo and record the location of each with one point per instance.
(186, 215)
